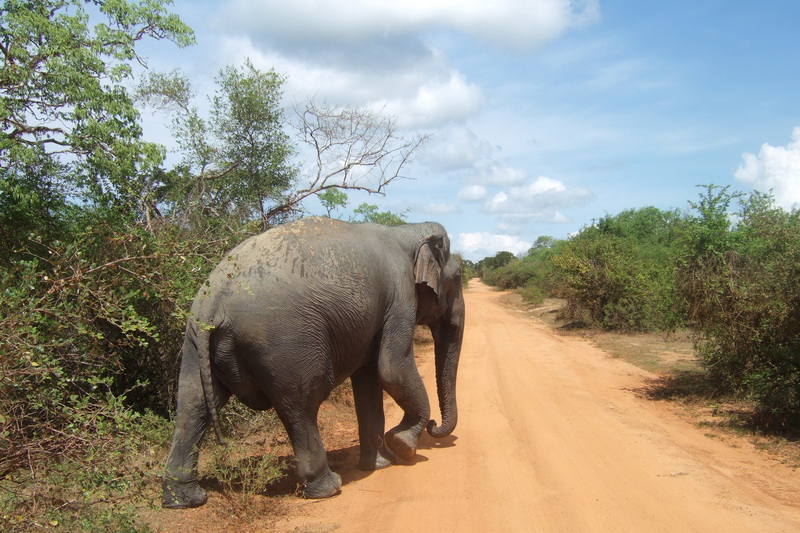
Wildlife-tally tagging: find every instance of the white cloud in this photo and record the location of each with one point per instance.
(543, 185)
(429, 95)
(542, 195)
(437, 102)
(472, 193)
(497, 202)
(476, 246)
(455, 148)
(381, 54)
(775, 168)
(518, 24)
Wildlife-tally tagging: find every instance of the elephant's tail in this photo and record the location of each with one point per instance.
(203, 343)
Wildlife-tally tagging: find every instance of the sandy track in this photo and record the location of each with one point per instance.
(553, 438)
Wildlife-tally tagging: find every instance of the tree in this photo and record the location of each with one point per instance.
(738, 277)
(500, 259)
(238, 160)
(61, 99)
(89, 302)
(619, 273)
(370, 213)
(355, 149)
(236, 163)
(332, 199)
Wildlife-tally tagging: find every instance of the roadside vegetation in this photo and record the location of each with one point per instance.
(725, 270)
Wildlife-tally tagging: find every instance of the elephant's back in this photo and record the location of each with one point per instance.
(314, 265)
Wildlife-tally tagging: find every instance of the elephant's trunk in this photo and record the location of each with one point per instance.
(447, 344)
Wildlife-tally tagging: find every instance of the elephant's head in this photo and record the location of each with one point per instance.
(440, 306)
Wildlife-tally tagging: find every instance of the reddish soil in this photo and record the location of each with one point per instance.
(553, 436)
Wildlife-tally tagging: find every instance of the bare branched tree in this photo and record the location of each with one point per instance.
(355, 149)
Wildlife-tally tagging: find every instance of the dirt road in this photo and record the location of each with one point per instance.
(553, 438)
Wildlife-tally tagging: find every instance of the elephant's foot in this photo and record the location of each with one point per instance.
(382, 458)
(402, 443)
(177, 495)
(327, 485)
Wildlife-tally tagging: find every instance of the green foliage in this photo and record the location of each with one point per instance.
(90, 327)
(234, 467)
(616, 274)
(89, 338)
(739, 280)
(619, 273)
(467, 269)
(88, 317)
(370, 213)
(488, 264)
(60, 98)
(332, 199)
(96, 491)
(244, 474)
(237, 161)
(532, 275)
(730, 275)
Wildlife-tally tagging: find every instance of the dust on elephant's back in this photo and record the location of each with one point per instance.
(315, 251)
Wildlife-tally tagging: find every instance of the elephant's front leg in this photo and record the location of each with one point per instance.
(400, 378)
(368, 396)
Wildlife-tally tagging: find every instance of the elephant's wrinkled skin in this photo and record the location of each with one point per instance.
(291, 313)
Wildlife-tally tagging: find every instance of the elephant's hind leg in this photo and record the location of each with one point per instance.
(180, 488)
(312, 462)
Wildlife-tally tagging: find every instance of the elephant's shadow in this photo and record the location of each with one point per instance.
(426, 442)
(343, 461)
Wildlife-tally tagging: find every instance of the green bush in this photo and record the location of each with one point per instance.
(619, 273)
(739, 281)
(532, 275)
(730, 275)
(88, 329)
(93, 491)
(532, 293)
(90, 333)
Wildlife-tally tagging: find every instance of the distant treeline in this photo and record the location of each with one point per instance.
(728, 268)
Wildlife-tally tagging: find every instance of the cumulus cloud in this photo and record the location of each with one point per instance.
(775, 168)
(476, 246)
(382, 54)
(437, 101)
(431, 94)
(542, 195)
(518, 24)
(499, 174)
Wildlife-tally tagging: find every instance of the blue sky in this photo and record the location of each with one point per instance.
(544, 114)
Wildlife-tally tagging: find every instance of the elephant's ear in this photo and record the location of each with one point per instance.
(429, 263)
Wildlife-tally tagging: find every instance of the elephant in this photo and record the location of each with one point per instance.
(291, 313)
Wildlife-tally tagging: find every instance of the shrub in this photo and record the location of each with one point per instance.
(533, 293)
(90, 332)
(740, 284)
(616, 282)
